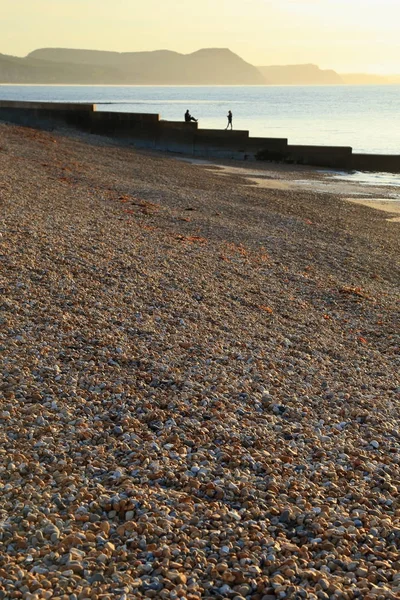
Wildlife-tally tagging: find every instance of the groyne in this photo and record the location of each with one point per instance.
(149, 131)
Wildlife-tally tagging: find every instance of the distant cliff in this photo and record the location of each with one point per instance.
(30, 70)
(299, 75)
(214, 66)
(312, 75)
(367, 79)
(209, 66)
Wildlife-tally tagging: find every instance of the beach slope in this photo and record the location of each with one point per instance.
(200, 388)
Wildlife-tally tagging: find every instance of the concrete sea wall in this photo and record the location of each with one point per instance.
(46, 114)
(148, 131)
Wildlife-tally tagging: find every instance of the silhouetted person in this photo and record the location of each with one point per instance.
(188, 117)
(229, 115)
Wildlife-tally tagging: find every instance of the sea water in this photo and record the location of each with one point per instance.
(367, 118)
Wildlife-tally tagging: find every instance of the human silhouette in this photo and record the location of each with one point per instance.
(229, 116)
(188, 117)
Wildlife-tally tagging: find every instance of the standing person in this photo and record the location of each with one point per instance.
(229, 116)
(188, 117)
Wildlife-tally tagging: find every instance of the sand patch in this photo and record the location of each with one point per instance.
(270, 184)
(385, 204)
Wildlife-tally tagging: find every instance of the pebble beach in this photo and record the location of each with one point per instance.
(200, 381)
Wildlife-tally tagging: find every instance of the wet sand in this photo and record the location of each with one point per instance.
(285, 177)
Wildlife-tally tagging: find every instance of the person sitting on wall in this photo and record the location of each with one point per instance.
(188, 117)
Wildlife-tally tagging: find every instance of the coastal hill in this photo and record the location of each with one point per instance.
(299, 75)
(209, 66)
(368, 79)
(310, 74)
(214, 66)
(31, 71)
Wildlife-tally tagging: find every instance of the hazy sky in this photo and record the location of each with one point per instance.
(345, 35)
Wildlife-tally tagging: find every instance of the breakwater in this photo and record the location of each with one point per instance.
(149, 131)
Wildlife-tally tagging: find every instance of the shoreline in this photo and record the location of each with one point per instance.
(380, 196)
(200, 384)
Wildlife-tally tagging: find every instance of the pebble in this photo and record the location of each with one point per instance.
(155, 446)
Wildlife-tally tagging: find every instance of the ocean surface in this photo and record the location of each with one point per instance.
(364, 117)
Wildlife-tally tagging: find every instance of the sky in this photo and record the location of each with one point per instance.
(345, 35)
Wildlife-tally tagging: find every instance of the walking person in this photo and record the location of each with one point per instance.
(229, 116)
(188, 117)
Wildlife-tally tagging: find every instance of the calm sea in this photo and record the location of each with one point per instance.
(364, 117)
